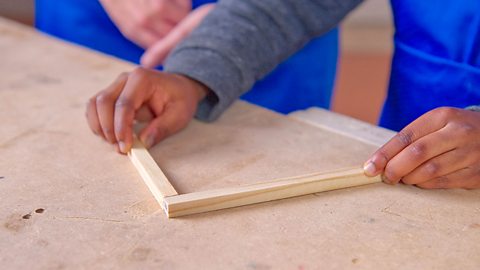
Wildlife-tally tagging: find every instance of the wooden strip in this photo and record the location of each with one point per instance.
(205, 201)
(151, 173)
(344, 125)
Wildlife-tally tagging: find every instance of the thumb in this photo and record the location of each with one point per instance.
(156, 54)
(172, 120)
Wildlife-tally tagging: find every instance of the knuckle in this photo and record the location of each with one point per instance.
(445, 113)
(418, 150)
(103, 99)
(405, 137)
(431, 169)
(382, 156)
(124, 103)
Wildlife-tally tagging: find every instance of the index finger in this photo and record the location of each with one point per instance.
(135, 93)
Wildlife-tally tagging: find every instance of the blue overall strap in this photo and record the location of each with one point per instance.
(436, 61)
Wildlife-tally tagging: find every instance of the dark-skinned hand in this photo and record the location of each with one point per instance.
(440, 149)
(166, 101)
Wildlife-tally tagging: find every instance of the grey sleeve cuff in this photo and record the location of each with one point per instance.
(473, 108)
(204, 66)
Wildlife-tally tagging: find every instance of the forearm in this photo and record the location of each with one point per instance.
(241, 41)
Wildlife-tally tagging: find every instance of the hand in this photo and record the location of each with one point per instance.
(441, 149)
(156, 54)
(167, 101)
(146, 21)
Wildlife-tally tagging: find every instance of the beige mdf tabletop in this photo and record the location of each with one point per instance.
(68, 201)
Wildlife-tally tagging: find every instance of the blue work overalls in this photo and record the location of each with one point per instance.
(436, 61)
(304, 80)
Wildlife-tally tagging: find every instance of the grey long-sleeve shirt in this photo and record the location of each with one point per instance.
(241, 41)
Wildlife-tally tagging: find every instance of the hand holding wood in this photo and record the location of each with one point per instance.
(167, 101)
(441, 149)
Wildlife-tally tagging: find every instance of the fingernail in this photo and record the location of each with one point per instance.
(123, 147)
(369, 168)
(386, 180)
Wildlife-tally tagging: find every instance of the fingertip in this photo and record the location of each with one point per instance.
(124, 138)
(147, 60)
(124, 147)
(370, 169)
(386, 180)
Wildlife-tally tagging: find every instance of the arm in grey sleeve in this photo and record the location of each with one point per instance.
(240, 41)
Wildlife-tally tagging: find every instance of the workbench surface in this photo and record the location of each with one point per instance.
(70, 202)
